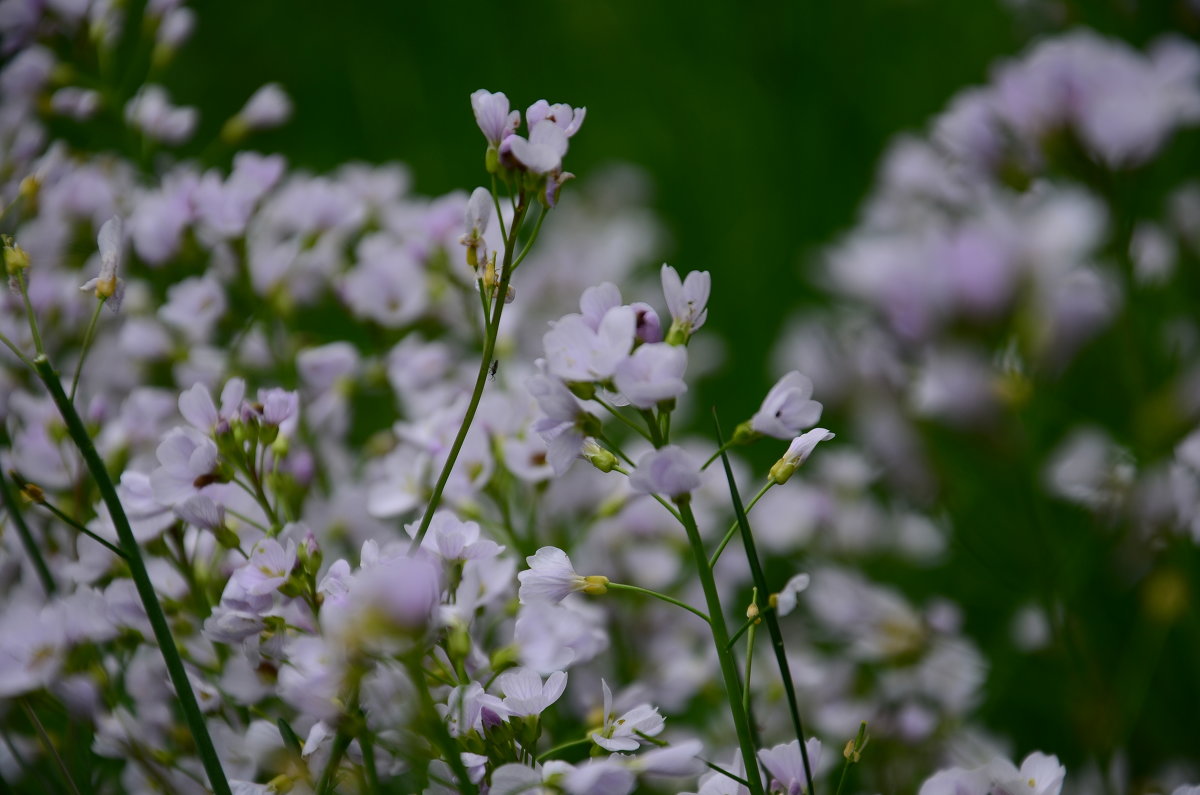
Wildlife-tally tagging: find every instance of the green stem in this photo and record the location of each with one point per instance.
(733, 528)
(662, 596)
(565, 746)
(16, 351)
(141, 579)
(441, 735)
(725, 773)
(716, 455)
(537, 227)
(27, 540)
(111, 547)
(656, 497)
(760, 582)
(652, 426)
(87, 343)
(750, 622)
(33, 324)
(628, 422)
(485, 364)
(45, 738)
(749, 667)
(615, 448)
(720, 633)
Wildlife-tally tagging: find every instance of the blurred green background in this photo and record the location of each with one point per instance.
(760, 124)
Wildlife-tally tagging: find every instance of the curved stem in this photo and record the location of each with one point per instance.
(556, 749)
(716, 455)
(87, 343)
(16, 351)
(760, 582)
(33, 324)
(537, 227)
(50, 749)
(733, 528)
(141, 578)
(661, 596)
(485, 364)
(628, 422)
(111, 547)
(729, 672)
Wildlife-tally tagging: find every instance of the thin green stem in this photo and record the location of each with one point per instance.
(657, 498)
(141, 579)
(628, 422)
(537, 227)
(720, 633)
(749, 623)
(45, 738)
(716, 455)
(733, 528)
(616, 449)
(760, 582)
(725, 773)
(499, 214)
(660, 596)
(33, 324)
(111, 547)
(485, 363)
(563, 747)
(440, 734)
(16, 351)
(749, 667)
(652, 426)
(27, 540)
(87, 343)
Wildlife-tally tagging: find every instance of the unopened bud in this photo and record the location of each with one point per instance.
(491, 160)
(782, 471)
(598, 457)
(510, 294)
(226, 537)
(752, 613)
(29, 188)
(596, 585)
(16, 259)
(489, 273)
(852, 756)
(33, 493)
(744, 434)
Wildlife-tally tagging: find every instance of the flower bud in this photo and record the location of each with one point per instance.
(596, 585)
(598, 457)
(16, 259)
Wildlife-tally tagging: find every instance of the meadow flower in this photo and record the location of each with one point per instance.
(669, 471)
(785, 765)
(551, 578)
(653, 373)
(624, 733)
(797, 453)
(526, 694)
(687, 300)
(787, 409)
(107, 284)
(493, 116)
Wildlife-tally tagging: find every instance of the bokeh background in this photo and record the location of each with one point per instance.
(760, 125)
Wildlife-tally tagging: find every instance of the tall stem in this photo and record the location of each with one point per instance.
(720, 633)
(760, 582)
(485, 364)
(141, 579)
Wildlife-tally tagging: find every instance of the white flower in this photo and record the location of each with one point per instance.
(687, 300)
(787, 409)
(785, 763)
(785, 600)
(623, 733)
(651, 374)
(669, 471)
(797, 453)
(107, 285)
(524, 692)
(550, 578)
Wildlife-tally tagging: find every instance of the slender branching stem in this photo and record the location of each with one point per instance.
(772, 619)
(141, 578)
(720, 633)
(733, 528)
(87, 343)
(660, 596)
(27, 540)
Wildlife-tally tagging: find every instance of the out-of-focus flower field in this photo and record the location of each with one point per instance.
(809, 403)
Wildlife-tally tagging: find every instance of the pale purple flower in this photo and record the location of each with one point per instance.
(471, 708)
(652, 374)
(404, 591)
(550, 577)
(526, 694)
(455, 540)
(596, 302)
(268, 568)
(561, 427)
(802, 446)
(194, 306)
(542, 153)
(669, 471)
(197, 407)
(785, 765)
(568, 119)
(687, 300)
(107, 284)
(187, 460)
(785, 600)
(276, 406)
(576, 352)
(175, 28)
(554, 637)
(680, 759)
(1039, 774)
(267, 107)
(32, 645)
(787, 408)
(492, 115)
(625, 733)
(76, 103)
(151, 112)
(478, 216)
(649, 327)
(201, 511)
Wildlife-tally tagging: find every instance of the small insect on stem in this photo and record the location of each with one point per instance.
(493, 368)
